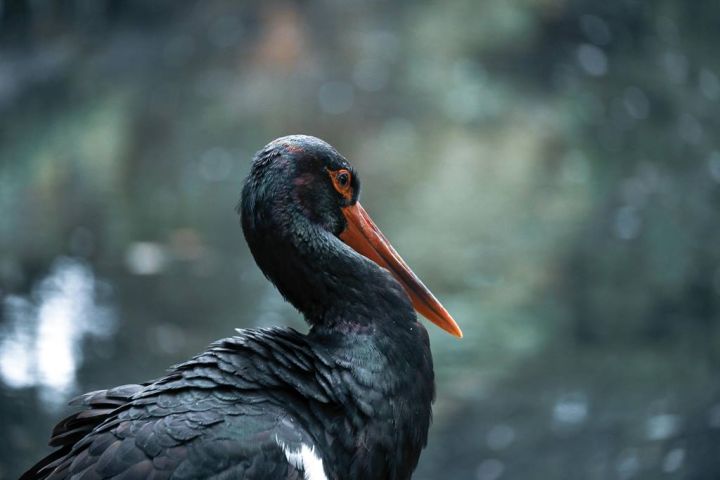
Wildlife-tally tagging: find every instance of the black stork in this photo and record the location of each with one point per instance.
(349, 400)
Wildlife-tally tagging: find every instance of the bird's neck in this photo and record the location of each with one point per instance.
(327, 281)
(362, 318)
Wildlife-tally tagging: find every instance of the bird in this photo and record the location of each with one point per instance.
(350, 399)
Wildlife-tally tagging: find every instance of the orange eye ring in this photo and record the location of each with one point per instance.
(341, 180)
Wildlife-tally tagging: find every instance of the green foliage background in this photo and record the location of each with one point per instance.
(551, 168)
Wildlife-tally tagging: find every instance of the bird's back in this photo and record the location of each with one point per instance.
(266, 404)
(235, 411)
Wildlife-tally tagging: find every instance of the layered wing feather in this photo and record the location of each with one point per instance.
(239, 410)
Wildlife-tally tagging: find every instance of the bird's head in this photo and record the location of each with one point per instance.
(302, 220)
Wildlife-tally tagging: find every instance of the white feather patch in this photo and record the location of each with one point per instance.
(306, 460)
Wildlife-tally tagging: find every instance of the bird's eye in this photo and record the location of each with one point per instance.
(341, 181)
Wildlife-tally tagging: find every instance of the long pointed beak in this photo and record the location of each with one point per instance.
(363, 236)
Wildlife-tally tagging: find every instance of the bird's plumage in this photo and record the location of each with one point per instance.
(234, 410)
(349, 400)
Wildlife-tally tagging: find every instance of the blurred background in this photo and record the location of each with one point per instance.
(550, 168)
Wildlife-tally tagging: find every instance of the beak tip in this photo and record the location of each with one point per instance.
(456, 332)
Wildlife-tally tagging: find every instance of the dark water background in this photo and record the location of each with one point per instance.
(550, 168)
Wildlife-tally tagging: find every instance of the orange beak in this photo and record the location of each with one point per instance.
(365, 238)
